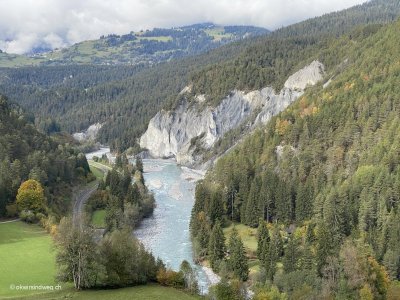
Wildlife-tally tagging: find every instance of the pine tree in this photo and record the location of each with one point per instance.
(263, 240)
(125, 182)
(114, 182)
(203, 232)
(264, 200)
(324, 246)
(216, 246)
(118, 162)
(238, 260)
(139, 164)
(273, 254)
(216, 209)
(252, 213)
(133, 194)
(391, 261)
(231, 195)
(291, 256)
(284, 205)
(303, 202)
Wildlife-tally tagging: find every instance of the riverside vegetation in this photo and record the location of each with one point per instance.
(39, 190)
(116, 258)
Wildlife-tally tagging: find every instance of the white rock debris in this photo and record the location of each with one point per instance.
(89, 134)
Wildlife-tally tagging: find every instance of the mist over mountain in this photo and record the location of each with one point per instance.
(26, 27)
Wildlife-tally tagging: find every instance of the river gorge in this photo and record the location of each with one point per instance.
(166, 232)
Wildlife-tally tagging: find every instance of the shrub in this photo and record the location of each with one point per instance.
(90, 177)
(41, 218)
(12, 210)
(28, 216)
(169, 277)
(80, 172)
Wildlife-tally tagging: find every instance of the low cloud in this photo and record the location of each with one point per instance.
(27, 24)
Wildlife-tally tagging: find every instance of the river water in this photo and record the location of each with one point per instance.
(166, 232)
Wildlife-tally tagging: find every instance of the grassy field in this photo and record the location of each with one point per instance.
(246, 233)
(14, 60)
(98, 218)
(155, 38)
(26, 258)
(249, 238)
(218, 33)
(100, 165)
(96, 171)
(145, 292)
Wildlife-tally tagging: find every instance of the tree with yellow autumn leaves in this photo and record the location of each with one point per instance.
(31, 196)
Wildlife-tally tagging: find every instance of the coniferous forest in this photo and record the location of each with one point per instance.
(26, 154)
(320, 183)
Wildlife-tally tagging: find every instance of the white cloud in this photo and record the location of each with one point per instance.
(54, 41)
(25, 24)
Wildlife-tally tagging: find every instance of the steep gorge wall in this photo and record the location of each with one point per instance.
(171, 134)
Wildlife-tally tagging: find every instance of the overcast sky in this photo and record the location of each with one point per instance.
(25, 24)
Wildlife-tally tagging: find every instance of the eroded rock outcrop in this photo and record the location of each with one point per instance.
(89, 134)
(177, 133)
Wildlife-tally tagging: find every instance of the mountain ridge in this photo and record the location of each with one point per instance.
(143, 47)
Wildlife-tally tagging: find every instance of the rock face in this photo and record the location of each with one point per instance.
(308, 76)
(176, 134)
(89, 134)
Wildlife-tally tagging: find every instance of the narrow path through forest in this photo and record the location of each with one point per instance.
(82, 194)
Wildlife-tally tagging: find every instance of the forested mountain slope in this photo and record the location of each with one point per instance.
(122, 97)
(338, 23)
(78, 96)
(329, 166)
(223, 101)
(269, 60)
(27, 154)
(149, 47)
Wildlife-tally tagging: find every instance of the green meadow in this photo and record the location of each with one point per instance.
(145, 292)
(26, 258)
(98, 218)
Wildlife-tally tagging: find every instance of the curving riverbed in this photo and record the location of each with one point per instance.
(166, 232)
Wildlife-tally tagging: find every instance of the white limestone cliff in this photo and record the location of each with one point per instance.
(89, 134)
(173, 134)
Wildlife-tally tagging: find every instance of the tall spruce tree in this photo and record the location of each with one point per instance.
(263, 240)
(291, 256)
(324, 246)
(252, 213)
(274, 253)
(216, 246)
(139, 164)
(238, 260)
